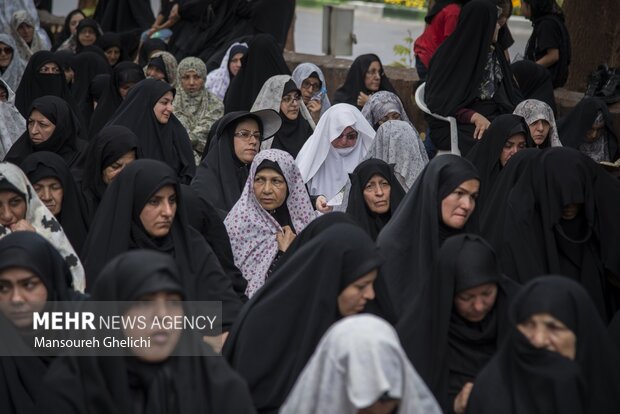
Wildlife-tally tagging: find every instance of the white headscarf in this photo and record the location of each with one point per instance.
(43, 221)
(533, 110)
(13, 73)
(8, 7)
(324, 168)
(359, 360)
(252, 230)
(38, 43)
(303, 72)
(219, 79)
(398, 143)
(12, 123)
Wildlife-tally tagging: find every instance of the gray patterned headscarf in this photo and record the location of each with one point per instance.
(171, 66)
(397, 142)
(382, 103)
(12, 123)
(303, 72)
(44, 222)
(533, 110)
(25, 51)
(12, 75)
(598, 150)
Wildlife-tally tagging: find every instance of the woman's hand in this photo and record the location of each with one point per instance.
(285, 238)
(321, 205)
(22, 225)
(481, 123)
(460, 402)
(362, 98)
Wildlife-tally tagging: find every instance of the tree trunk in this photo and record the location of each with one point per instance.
(595, 37)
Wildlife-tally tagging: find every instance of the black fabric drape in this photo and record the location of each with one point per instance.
(65, 140)
(354, 83)
(446, 349)
(410, 256)
(87, 65)
(206, 220)
(148, 48)
(292, 135)
(534, 82)
(123, 74)
(299, 300)
(273, 17)
(110, 40)
(124, 199)
(165, 142)
(357, 207)
(201, 383)
(263, 60)
(120, 15)
(73, 216)
(524, 379)
(486, 152)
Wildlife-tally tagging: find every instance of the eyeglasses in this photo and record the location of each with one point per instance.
(351, 136)
(373, 73)
(6, 50)
(311, 85)
(288, 98)
(247, 135)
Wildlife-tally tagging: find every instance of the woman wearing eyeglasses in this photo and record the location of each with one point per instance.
(365, 77)
(310, 80)
(222, 174)
(281, 94)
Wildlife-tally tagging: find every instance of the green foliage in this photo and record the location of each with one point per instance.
(404, 51)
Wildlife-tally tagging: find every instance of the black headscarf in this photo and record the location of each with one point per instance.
(66, 29)
(110, 40)
(456, 72)
(534, 82)
(583, 248)
(73, 216)
(273, 17)
(122, 203)
(410, 256)
(87, 65)
(354, 83)
(21, 378)
(207, 221)
(149, 47)
(123, 73)
(221, 175)
(110, 144)
(573, 126)
(486, 152)
(357, 207)
(293, 134)
(35, 85)
(300, 299)
(97, 86)
(165, 142)
(83, 24)
(524, 379)
(65, 140)
(446, 349)
(95, 384)
(263, 60)
(120, 15)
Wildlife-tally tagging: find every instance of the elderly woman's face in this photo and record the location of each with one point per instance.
(545, 331)
(539, 131)
(26, 32)
(191, 81)
(270, 189)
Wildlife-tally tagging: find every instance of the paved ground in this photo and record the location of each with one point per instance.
(374, 33)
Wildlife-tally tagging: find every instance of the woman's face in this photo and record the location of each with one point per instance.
(113, 54)
(247, 140)
(570, 211)
(73, 23)
(110, 172)
(381, 407)
(234, 63)
(475, 303)
(4, 94)
(191, 81)
(26, 32)
(457, 207)
(50, 192)
(512, 145)
(163, 108)
(372, 78)
(546, 332)
(270, 189)
(158, 213)
(594, 133)
(377, 194)
(540, 131)
(21, 293)
(309, 87)
(163, 339)
(12, 208)
(353, 298)
(155, 73)
(123, 90)
(87, 36)
(50, 68)
(346, 139)
(392, 116)
(6, 55)
(40, 129)
(289, 105)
